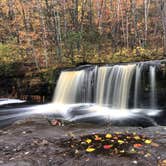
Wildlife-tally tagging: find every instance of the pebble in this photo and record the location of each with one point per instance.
(26, 153)
(1, 162)
(135, 162)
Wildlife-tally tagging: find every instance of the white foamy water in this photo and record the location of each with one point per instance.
(153, 86)
(4, 101)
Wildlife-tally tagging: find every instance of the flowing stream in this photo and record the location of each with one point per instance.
(111, 92)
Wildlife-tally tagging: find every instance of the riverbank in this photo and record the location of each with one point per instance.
(34, 142)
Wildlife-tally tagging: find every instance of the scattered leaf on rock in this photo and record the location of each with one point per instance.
(88, 141)
(90, 149)
(107, 146)
(148, 141)
(137, 145)
(136, 137)
(108, 136)
(120, 141)
(97, 138)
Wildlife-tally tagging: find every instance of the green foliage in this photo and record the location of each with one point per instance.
(9, 53)
(91, 36)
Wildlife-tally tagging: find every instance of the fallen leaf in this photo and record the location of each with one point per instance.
(137, 137)
(137, 145)
(108, 136)
(148, 141)
(107, 146)
(90, 149)
(118, 133)
(88, 141)
(97, 138)
(120, 141)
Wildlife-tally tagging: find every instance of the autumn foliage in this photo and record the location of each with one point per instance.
(49, 32)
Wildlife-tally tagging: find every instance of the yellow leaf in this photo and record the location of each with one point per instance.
(148, 141)
(120, 141)
(97, 138)
(90, 149)
(88, 141)
(108, 136)
(136, 137)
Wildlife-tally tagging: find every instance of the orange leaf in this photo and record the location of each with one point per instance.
(137, 145)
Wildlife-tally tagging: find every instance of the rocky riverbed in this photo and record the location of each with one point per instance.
(35, 142)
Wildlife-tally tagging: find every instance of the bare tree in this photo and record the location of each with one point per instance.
(162, 4)
(146, 13)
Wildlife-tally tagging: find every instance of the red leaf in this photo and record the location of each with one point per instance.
(107, 146)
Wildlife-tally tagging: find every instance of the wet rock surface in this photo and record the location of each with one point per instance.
(34, 142)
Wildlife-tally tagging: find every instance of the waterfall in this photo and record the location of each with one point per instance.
(69, 86)
(137, 84)
(113, 85)
(153, 86)
(101, 81)
(107, 86)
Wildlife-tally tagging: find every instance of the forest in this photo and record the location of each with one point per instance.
(51, 33)
(41, 36)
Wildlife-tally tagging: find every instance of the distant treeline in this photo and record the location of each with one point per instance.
(52, 32)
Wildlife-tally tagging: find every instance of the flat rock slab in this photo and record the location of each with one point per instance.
(34, 142)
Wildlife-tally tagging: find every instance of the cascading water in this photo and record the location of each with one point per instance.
(137, 84)
(105, 85)
(113, 85)
(68, 87)
(106, 91)
(153, 86)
